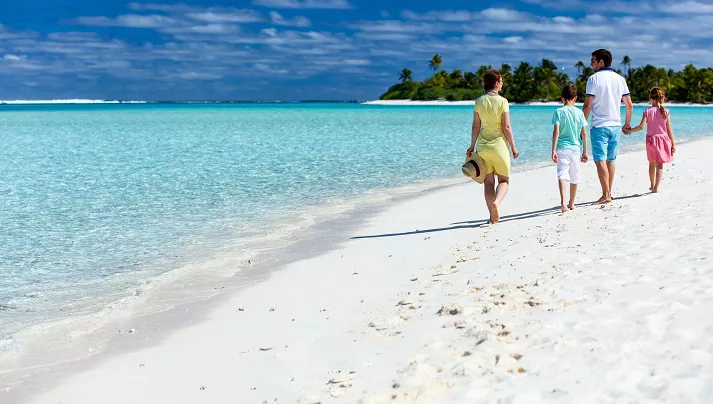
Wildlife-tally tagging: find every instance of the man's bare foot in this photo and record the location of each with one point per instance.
(604, 199)
(564, 208)
(494, 214)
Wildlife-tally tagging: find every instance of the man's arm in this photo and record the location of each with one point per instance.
(583, 135)
(587, 108)
(629, 110)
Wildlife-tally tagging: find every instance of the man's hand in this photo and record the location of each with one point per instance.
(626, 129)
(585, 158)
(554, 156)
(470, 150)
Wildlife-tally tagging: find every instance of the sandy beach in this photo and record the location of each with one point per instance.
(424, 302)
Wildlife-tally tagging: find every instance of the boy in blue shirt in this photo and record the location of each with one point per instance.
(569, 144)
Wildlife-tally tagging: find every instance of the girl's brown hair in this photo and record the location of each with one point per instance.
(659, 96)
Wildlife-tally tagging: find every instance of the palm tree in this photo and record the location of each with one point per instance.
(405, 75)
(580, 66)
(435, 63)
(626, 62)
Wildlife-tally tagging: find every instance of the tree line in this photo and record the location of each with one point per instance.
(544, 81)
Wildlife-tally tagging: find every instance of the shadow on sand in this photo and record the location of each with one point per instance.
(473, 224)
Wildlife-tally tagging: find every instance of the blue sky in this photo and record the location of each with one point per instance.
(318, 49)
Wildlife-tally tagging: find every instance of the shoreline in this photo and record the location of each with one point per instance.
(164, 337)
(526, 104)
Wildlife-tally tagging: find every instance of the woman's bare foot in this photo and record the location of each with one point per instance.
(570, 206)
(603, 200)
(654, 190)
(564, 208)
(494, 214)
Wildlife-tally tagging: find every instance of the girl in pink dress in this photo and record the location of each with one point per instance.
(660, 144)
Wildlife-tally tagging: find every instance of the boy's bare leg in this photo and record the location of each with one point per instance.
(603, 173)
(562, 184)
(500, 192)
(659, 174)
(489, 186)
(652, 175)
(572, 193)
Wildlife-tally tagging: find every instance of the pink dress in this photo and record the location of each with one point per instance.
(658, 144)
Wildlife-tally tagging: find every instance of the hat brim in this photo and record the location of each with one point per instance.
(474, 168)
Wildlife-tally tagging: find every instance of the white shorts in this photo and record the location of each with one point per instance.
(568, 165)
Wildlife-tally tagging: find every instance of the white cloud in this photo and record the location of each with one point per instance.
(513, 39)
(130, 21)
(200, 76)
(324, 4)
(269, 69)
(687, 7)
(298, 21)
(12, 58)
(227, 15)
(447, 15)
(502, 14)
(563, 20)
(211, 29)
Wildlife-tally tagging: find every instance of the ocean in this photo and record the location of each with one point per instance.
(101, 203)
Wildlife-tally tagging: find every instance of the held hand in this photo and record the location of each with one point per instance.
(554, 156)
(470, 150)
(626, 129)
(585, 158)
(515, 153)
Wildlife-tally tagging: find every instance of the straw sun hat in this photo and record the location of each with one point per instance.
(474, 168)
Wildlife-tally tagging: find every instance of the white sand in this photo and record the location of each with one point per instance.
(603, 304)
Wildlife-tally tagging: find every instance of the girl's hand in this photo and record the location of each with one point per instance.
(554, 156)
(470, 150)
(673, 148)
(515, 153)
(585, 158)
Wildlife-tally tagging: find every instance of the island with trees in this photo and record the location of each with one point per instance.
(528, 83)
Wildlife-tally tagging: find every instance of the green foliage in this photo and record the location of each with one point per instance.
(544, 82)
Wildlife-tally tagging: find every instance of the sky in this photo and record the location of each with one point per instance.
(318, 49)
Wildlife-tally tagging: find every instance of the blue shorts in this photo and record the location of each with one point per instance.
(604, 142)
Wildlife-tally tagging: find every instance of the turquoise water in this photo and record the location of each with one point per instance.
(95, 200)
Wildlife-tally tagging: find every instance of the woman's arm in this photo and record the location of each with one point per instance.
(507, 130)
(474, 132)
(670, 133)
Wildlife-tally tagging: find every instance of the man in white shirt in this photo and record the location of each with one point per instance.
(606, 89)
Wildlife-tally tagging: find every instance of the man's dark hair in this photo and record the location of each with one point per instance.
(490, 79)
(569, 92)
(603, 54)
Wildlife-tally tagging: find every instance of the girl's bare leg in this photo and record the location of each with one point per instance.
(652, 175)
(659, 174)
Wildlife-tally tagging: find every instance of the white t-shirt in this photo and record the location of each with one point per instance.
(607, 87)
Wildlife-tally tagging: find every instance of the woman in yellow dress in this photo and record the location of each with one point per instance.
(491, 135)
